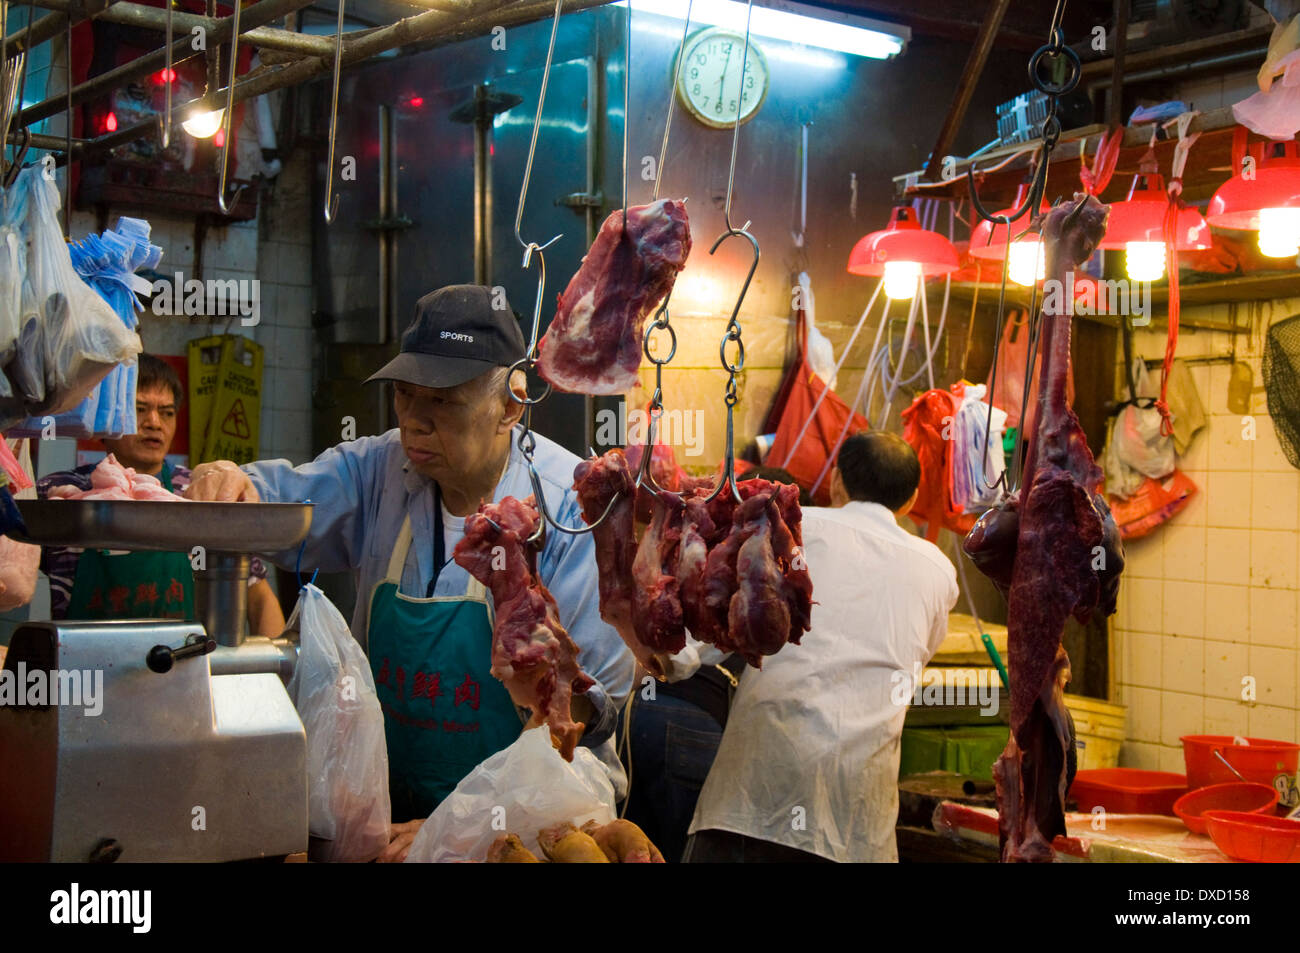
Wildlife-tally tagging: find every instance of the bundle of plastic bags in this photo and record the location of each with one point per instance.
(65, 338)
(347, 756)
(19, 562)
(521, 789)
(977, 464)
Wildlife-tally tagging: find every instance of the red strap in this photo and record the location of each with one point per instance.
(1239, 134)
(1098, 177)
(1171, 341)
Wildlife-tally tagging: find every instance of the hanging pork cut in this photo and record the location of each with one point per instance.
(598, 481)
(532, 654)
(1054, 550)
(593, 345)
(729, 573)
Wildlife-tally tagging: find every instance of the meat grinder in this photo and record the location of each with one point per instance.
(155, 739)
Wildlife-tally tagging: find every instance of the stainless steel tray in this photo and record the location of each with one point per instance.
(166, 527)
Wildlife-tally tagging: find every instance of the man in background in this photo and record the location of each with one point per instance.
(94, 584)
(808, 765)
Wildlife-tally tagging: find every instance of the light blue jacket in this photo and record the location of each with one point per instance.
(362, 490)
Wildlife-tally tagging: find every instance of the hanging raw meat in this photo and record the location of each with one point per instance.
(1055, 551)
(598, 481)
(112, 481)
(532, 654)
(593, 345)
(729, 573)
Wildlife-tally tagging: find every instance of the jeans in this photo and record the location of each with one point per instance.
(673, 744)
(724, 847)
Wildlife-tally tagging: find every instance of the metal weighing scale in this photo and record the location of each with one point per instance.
(196, 753)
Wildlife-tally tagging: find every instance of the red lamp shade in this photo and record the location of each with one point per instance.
(988, 240)
(1276, 184)
(903, 240)
(1141, 218)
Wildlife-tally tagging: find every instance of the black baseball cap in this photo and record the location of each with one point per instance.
(457, 335)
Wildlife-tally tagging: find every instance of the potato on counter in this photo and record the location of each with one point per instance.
(623, 842)
(509, 849)
(565, 844)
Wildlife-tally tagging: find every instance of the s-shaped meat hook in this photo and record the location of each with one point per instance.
(225, 119)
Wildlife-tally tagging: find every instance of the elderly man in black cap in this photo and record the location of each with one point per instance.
(391, 508)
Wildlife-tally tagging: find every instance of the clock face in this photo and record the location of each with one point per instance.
(710, 85)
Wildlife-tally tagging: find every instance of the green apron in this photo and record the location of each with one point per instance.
(444, 712)
(139, 585)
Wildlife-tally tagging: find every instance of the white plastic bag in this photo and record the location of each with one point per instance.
(347, 756)
(19, 562)
(821, 356)
(976, 467)
(518, 790)
(83, 338)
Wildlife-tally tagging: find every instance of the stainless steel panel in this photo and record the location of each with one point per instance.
(160, 748)
(166, 527)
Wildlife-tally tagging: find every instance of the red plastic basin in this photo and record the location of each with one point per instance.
(1255, 837)
(1261, 762)
(1128, 790)
(1243, 798)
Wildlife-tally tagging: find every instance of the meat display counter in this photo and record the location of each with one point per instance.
(155, 739)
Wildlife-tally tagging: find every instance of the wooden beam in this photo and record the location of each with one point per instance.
(970, 77)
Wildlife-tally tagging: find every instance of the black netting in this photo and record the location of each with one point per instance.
(1282, 384)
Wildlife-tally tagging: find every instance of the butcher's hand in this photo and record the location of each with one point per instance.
(221, 482)
(403, 835)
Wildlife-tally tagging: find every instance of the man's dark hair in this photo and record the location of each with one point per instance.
(879, 467)
(155, 372)
(777, 475)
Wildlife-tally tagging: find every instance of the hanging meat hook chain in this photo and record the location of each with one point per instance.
(644, 478)
(1051, 133)
(527, 442)
(733, 326)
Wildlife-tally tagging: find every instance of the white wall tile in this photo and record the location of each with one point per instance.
(1184, 552)
(1226, 663)
(1184, 609)
(1275, 498)
(1144, 557)
(1139, 755)
(1142, 658)
(1273, 617)
(1143, 713)
(1228, 500)
(1227, 613)
(1180, 715)
(1171, 760)
(1182, 665)
(1224, 717)
(1275, 676)
(1140, 607)
(1270, 722)
(1227, 450)
(1227, 556)
(1273, 558)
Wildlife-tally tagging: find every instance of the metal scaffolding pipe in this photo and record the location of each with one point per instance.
(46, 28)
(218, 31)
(436, 25)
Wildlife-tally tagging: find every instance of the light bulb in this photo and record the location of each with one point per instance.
(1025, 255)
(1145, 261)
(901, 278)
(1279, 232)
(204, 125)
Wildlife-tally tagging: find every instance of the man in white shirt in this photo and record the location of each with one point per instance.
(808, 765)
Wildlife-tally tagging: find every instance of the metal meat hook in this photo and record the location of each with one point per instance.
(332, 200)
(225, 120)
(168, 79)
(529, 247)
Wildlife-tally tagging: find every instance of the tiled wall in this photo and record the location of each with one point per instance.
(1212, 597)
